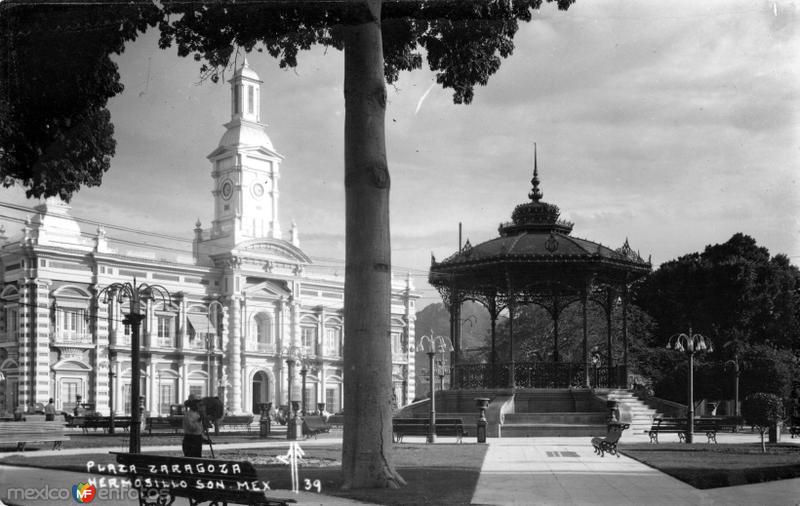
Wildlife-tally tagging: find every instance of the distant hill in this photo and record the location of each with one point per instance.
(436, 319)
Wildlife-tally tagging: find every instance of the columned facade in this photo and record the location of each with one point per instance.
(242, 301)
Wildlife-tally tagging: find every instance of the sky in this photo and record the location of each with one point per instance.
(672, 124)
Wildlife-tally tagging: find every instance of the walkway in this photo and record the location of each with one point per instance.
(566, 471)
(538, 471)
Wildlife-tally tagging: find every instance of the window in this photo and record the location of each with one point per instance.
(332, 399)
(236, 100)
(165, 331)
(250, 99)
(125, 338)
(396, 348)
(71, 325)
(166, 397)
(263, 332)
(333, 342)
(126, 396)
(11, 326)
(309, 339)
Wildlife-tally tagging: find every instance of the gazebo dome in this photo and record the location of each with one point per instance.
(536, 237)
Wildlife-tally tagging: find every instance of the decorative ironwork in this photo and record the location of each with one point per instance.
(536, 375)
(551, 244)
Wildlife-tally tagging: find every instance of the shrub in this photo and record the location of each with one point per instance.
(762, 410)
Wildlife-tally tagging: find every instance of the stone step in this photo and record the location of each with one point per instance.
(577, 418)
(552, 430)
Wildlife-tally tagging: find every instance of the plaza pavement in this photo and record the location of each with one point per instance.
(516, 471)
(566, 471)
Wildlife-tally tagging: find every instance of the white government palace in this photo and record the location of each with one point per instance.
(240, 302)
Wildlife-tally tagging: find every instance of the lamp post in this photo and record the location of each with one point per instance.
(210, 346)
(736, 372)
(111, 377)
(294, 426)
(137, 294)
(435, 344)
(690, 344)
(303, 373)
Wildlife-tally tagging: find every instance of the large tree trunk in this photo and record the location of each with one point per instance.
(367, 441)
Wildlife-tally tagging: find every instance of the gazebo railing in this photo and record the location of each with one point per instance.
(537, 375)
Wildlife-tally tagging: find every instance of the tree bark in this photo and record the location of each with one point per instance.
(367, 439)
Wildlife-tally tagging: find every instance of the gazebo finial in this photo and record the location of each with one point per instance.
(535, 194)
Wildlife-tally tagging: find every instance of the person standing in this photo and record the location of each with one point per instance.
(50, 411)
(192, 430)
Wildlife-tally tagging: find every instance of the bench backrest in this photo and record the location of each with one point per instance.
(32, 427)
(236, 419)
(410, 421)
(315, 422)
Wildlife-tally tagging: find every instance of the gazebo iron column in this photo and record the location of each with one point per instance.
(511, 306)
(556, 314)
(625, 295)
(585, 302)
(493, 317)
(609, 309)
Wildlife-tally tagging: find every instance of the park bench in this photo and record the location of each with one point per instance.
(104, 422)
(419, 427)
(794, 430)
(313, 425)
(608, 444)
(678, 426)
(29, 432)
(198, 479)
(243, 421)
(173, 423)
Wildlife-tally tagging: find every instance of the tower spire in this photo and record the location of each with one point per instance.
(535, 194)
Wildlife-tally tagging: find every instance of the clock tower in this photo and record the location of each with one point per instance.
(245, 169)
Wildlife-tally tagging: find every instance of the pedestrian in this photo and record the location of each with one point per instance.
(50, 411)
(192, 430)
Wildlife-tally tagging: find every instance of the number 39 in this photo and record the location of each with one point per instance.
(313, 484)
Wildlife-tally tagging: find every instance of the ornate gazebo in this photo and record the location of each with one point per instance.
(536, 261)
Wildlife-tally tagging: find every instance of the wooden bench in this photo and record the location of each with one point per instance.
(173, 423)
(237, 421)
(104, 422)
(678, 426)
(20, 433)
(608, 444)
(313, 425)
(200, 480)
(419, 427)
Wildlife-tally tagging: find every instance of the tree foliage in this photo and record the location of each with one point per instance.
(733, 290)
(56, 134)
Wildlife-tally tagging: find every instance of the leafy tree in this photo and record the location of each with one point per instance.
(464, 42)
(762, 411)
(55, 130)
(768, 369)
(730, 289)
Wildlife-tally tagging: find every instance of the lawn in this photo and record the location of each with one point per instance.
(719, 465)
(436, 474)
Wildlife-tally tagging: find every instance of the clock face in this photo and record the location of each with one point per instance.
(258, 189)
(227, 189)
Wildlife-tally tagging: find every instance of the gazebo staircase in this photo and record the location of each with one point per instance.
(537, 412)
